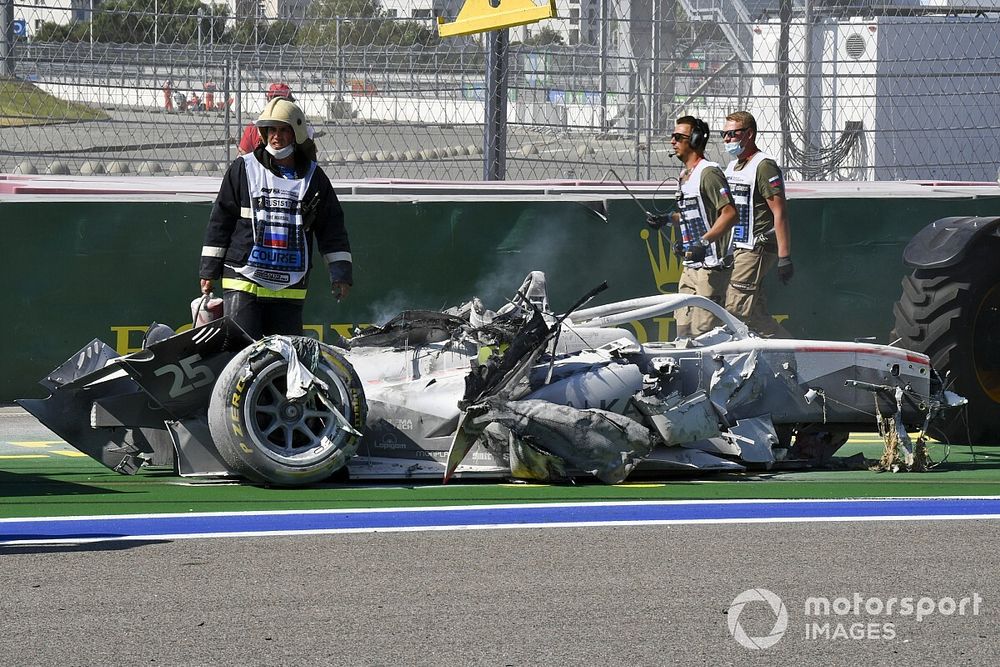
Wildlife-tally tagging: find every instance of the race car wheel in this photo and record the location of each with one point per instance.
(952, 314)
(267, 438)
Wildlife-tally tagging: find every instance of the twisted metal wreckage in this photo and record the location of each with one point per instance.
(469, 392)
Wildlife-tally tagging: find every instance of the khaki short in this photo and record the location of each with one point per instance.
(708, 283)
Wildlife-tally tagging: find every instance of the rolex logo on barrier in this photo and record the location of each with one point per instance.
(666, 266)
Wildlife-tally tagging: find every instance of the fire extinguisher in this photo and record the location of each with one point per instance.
(205, 309)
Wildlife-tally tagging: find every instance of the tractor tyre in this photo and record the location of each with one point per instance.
(952, 314)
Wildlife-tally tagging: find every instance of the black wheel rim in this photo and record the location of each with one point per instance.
(296, 433)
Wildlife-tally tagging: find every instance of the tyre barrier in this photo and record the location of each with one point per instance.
(92, 168)
(58, 169)
(149, 168)
(184, 167)
(26, 168)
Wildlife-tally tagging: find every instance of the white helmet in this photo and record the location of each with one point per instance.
(280, 111)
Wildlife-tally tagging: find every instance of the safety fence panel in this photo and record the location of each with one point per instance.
(842, 90)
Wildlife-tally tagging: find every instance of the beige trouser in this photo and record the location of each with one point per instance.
(709, 283)
(745, 299)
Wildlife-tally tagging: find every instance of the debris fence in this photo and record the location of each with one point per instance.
(841, 90)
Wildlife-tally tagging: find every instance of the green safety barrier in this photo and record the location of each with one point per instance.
(75, 271)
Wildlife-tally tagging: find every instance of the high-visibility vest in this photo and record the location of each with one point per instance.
(694, 218)
(279, 257)
(743, 185)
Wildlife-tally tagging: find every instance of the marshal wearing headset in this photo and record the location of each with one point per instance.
(704, 218)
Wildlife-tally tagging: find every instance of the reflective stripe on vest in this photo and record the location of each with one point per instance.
(253, 288)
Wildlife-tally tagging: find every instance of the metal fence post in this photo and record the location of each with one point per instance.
(654, 66)
(807, 93)
(7, 61)
(225, 100)
(603, 66)
(651, 114)
(637, 115)
(668, 77)
(437, 76)
(495, 129)
(340, 63)
(239, 93)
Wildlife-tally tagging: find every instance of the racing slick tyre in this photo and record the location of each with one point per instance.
(267, 438)
(952, 314)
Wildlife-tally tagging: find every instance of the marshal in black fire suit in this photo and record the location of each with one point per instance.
(230, 238)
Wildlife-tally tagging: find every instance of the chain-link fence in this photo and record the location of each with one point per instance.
(842, 89)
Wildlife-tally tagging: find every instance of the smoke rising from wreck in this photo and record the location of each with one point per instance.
(534, 241)
(388, 307)
(531, 245)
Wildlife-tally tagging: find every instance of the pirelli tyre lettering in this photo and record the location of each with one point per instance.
(268, 438)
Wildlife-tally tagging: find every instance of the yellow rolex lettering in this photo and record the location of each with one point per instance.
(664, 328)
(345, 330)
(318, 329)
(666, 266)
(640, 331)
(125, 335)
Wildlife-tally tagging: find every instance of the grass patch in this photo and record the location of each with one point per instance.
(23, 103)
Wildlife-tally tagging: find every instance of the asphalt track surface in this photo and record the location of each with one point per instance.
(636, 595)
(621, 594)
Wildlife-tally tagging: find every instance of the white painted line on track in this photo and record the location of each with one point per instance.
(159, 527)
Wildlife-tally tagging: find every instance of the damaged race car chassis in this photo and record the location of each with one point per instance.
(469, 392)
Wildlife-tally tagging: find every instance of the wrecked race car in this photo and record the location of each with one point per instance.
(470, 392)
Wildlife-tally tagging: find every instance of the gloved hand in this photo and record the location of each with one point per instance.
(340, 290)
(657, 220)
(785, 270)
(679, 249)
(696, 253)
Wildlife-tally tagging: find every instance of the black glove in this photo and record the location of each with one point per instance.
(679, 249)
(657, 220)
(785, 270)
(696, 253)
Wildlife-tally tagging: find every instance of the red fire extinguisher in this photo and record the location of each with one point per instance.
(205, 309)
